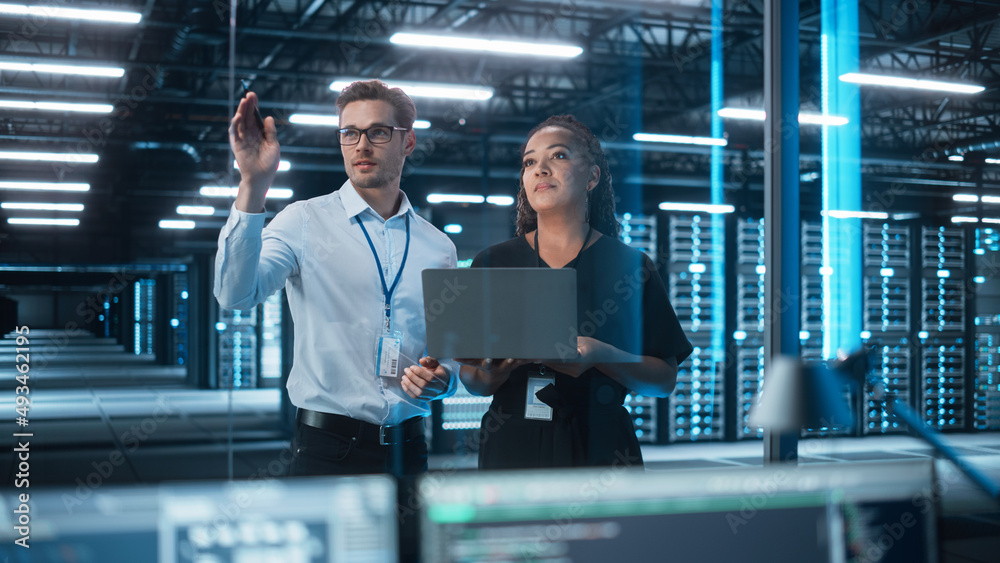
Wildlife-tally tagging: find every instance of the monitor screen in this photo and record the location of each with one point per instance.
(318, 520)
(829, 513)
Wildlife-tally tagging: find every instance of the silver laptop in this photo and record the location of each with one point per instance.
(520, 313)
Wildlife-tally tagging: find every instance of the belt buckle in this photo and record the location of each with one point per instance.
(382, 441)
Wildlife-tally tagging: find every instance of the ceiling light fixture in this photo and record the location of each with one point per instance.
(43, 221)
(42, 206)
(842, 214)
(679, 139)
(476, 44)
(224, 191)
(504, 200)
(195, 210)
(57, 106)
(106, 71)
(696, 207)
(428, 90)
(283, 165)
(455, 198)
(912, 83)
(334, 120)
(805, 118)
(49, 157)
(45, 186)
(108, 16)
(176, 224)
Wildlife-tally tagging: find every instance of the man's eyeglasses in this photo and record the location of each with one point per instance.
(377, 135)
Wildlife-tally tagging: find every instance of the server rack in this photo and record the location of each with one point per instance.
(941, 393)
(750, 321)
(886, 320)
(696, 407)
(237, 348)
(639, 231)
(986, 324)
(143, 316)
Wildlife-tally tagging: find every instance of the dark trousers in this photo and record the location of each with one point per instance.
(318, 452)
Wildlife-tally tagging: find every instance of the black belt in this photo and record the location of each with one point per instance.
(364, 431)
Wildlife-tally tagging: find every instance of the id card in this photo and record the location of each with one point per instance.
(534, 408)
(387, 350)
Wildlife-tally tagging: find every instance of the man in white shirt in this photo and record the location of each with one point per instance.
(351, 263)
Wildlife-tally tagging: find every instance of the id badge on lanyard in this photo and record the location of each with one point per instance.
(387, 351)
(389, 344)
(534, 408)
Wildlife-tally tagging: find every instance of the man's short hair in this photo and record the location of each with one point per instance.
(406, 112)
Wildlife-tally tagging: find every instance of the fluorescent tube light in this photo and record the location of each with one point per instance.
(972, 198)
(176, 224)
(429, 90)
(224, 191)
(45, 186)
(804, 117)
(991, 199)
(108, 16)
(453, 229)
(49, 156)
(334, 120)
(476, 44)
(283, 165)
(696, 207)
(500, 199)
(107, 71)
(314, 119)
(455, 198)
(740, 113)
(960, 158)
(962, 219)
(913, 83)
(57, 106)
(195, 210)
(42, 206)
(679, 139)
(821, 119)
(841, 214)
(45, 221)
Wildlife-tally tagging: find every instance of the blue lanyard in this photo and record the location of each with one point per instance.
(386, 290)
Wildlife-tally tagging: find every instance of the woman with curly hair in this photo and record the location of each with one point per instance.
(629, 339)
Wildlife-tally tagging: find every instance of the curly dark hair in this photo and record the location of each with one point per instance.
(602, 197)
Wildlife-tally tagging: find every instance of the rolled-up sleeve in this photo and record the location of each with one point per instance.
(253, 261)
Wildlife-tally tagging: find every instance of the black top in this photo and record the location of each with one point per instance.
(621, 300)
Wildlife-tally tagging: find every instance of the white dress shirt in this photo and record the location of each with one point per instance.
(317, 251)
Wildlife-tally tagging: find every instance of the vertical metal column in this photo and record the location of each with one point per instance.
(781, 199)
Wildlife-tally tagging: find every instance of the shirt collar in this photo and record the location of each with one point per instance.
(354, 204)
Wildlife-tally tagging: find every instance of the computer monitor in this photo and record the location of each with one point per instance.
(830, 513)
(316, 520)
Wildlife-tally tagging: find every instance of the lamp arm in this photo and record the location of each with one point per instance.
(903, 412)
